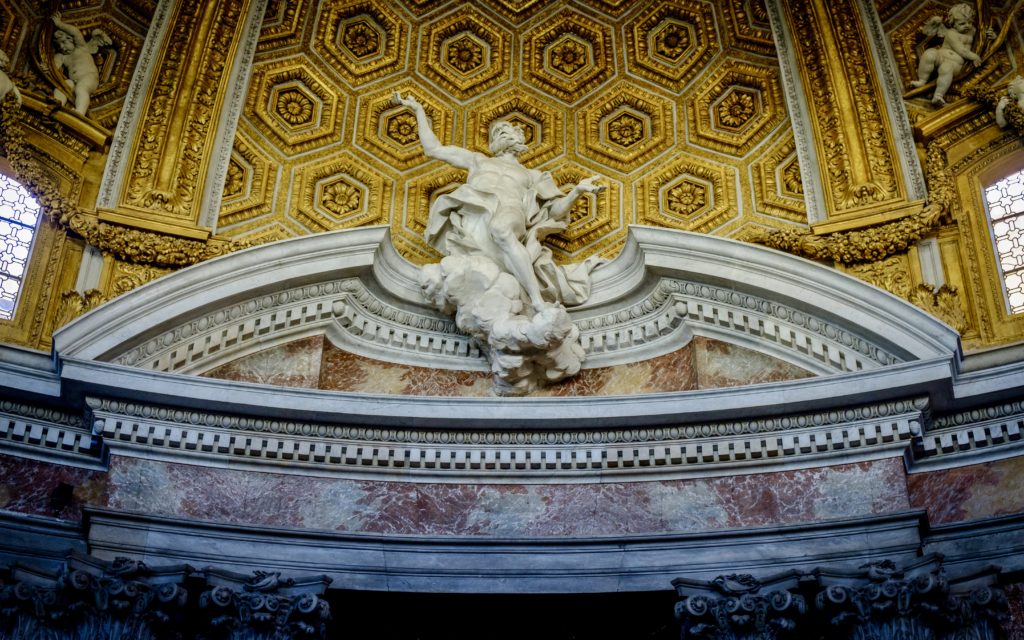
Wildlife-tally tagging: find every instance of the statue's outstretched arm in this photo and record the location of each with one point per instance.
(456, 156)
(69, 29)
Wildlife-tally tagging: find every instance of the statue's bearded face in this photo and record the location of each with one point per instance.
(505, 136)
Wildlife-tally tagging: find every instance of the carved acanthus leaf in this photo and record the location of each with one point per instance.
(943, 303)
(74, 304)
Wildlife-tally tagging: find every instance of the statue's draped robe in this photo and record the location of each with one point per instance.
(459, 224)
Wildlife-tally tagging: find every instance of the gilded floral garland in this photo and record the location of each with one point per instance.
(130, 245)
(852, 247)
(878, 242)
(1012, 112)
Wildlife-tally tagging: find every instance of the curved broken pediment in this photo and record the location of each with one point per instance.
(351, 290)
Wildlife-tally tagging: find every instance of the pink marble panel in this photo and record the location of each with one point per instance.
(316, 363)
(720, 364)
(599, 508)
(26, 487)
(671, 372)
(974, 491)
(295, 364)
(344, 371)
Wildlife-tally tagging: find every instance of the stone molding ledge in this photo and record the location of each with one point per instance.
(485, 564)
(980, 435)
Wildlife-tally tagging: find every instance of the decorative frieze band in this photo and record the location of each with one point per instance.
(141, 430)
(39, 432)
(984, 433)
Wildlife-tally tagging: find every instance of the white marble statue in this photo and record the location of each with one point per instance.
(1014, 95)
(497, 277)
(957, 32)
(6, 84)
(74, 57)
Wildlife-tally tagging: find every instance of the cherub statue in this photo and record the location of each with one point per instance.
(6, 84)
(946, 60)
(75, 57)
(500, 280)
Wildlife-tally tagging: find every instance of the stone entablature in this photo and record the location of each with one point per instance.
(893, 367)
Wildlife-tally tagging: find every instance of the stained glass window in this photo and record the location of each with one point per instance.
(18, 214)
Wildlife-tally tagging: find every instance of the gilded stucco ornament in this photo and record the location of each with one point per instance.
(942, 302)
(6, 84)
(878, 242)
(1008, 103)
(852, 247)
(497, 278)
(131, 245)
(73, 304)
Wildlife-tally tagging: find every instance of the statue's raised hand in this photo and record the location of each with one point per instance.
(407, 101)
(590, 185)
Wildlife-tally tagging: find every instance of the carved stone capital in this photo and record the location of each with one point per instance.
(90, 598)
(264, 605)
(739, 607)
(918, 601)
(877, 601)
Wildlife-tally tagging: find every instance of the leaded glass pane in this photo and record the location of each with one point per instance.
(19, 212)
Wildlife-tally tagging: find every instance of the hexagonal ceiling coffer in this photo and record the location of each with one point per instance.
(389, 131)
(736, 107)
(340, 191)
(568, 56)
(689, 193)
(292, 104)
(671, 42)
(628, 127)
(467, 53)
(361, 41)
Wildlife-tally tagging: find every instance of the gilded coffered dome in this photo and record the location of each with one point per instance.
(678, 105)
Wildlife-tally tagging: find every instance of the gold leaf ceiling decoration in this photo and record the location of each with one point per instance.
(677, 104)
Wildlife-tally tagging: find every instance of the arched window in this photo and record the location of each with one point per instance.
(1005, 200)
(19, 212)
